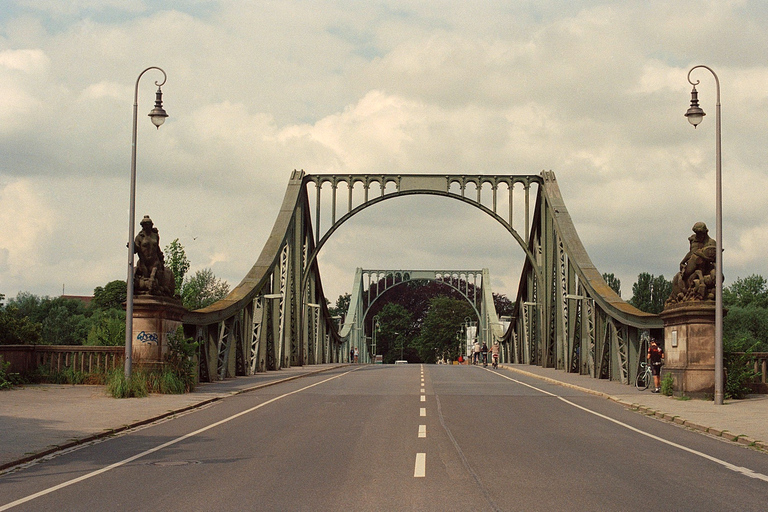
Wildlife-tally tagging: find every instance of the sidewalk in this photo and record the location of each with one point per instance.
(743, 421)
(43, 418)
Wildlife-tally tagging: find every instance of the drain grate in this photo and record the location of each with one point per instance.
(172, 463)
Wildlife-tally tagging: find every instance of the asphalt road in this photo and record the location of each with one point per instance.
(405, 437)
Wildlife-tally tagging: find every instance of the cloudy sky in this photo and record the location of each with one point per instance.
(592, 90)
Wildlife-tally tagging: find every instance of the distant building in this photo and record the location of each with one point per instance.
(85, 299)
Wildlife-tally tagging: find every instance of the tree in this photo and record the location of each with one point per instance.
(745, 327)
(111, 296)
(17, 329)
(342, 305)
(65, 322)
(745, 292)
(395, 328)
(203, 289)
(613, 282)
(649, 293)
(107, 328)
(176, 260)
(503, 305)
(438, 332)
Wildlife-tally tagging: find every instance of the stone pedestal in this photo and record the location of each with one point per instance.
(154, 319)
(689, 347)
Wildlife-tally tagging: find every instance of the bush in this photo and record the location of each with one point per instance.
(177, 375)
(48, 375)
(8, 379)
(180, 361)
(119, 387)
(667, 385)
(739, 373)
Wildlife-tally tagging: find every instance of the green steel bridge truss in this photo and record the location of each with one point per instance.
(565, 315)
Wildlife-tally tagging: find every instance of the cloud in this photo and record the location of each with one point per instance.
(595, 91)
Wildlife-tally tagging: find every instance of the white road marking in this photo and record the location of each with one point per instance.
(423, 398)
(423, 390)
(422, 431)
(423, 411)
(165, 445)
(738, 469)
(420, 468)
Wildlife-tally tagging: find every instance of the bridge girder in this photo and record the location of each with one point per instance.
(565, 315)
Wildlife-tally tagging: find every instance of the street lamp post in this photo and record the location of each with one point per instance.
(695, 115)
(157, 115)
(375, 330)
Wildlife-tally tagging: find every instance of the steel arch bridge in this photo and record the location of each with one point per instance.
(565, 315)
(473, 285)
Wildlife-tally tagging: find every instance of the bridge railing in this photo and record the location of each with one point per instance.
(759, 363)
(86, 359)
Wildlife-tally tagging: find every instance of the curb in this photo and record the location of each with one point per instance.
(117, 430)
(740, 439)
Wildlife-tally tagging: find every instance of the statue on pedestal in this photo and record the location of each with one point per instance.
(151, 276)
(696, 279)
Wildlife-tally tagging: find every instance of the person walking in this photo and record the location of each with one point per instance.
(475, 352)
(656, 358)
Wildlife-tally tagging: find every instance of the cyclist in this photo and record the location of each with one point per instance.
(656, 358)
(495, 354)
(484, 350)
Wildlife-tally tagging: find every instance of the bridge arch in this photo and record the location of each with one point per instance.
(566, 316)
(353, 331)
(437, 185)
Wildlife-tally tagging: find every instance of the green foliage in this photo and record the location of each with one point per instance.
(342, 305)
(747, 292)
(177, 375)
(180, 362)
(49, 375)
(17, 329)
(61, 321)
(649, 293)
(8, 379)
(504, 306)
(119, 387)
(107, 329)
(739, 369)
(65, 323)
(203, 289)
(111, 296)
(438, 332)
(613, 282)
(176, 259)
(745, 327)
(395, 329)
(667, 385)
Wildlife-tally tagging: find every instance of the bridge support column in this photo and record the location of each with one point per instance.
(154, 319)
(689, 347)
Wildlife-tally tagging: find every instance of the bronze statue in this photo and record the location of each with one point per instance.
(696, 279)
(151, 276)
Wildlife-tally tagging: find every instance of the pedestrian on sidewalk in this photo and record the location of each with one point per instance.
(656, 358)
(475, 352)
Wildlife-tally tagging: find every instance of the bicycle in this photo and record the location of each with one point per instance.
(644, 377)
